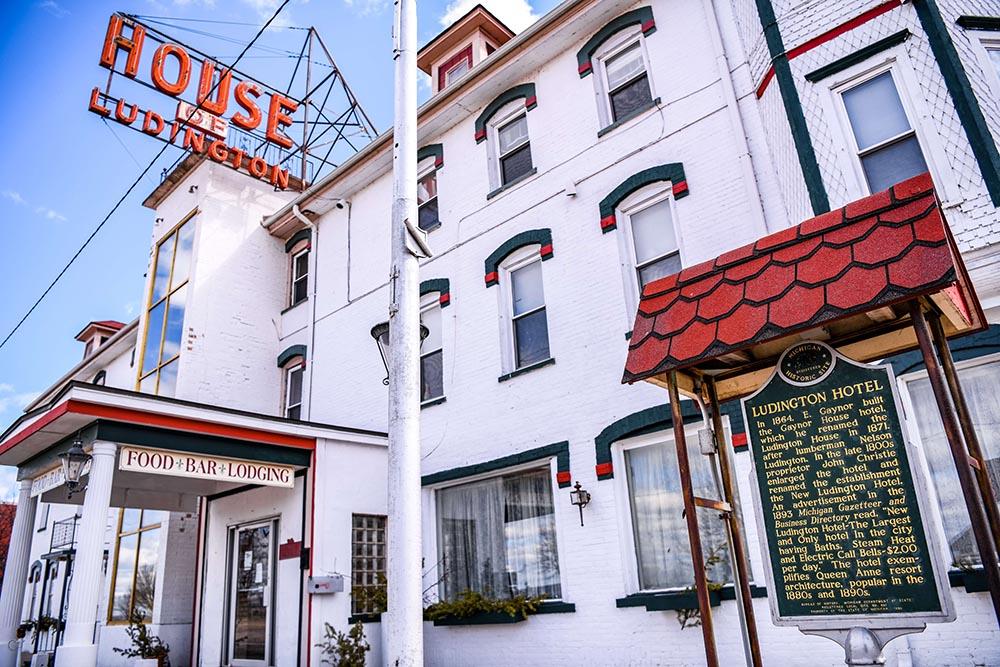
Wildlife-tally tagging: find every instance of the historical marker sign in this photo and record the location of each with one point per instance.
(840, 500)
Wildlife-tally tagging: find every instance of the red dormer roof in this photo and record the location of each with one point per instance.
(872, 253)
(108, 326)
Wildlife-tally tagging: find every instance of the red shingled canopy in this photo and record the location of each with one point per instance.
(836, 277)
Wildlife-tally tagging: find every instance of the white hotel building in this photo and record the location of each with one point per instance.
(609, 144)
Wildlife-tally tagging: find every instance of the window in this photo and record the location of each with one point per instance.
(368, 584)
(653, 240)
(659, 530)
(137, 549)
(456, 71)
(100, 378)
(529, 327)
(300, 277)
(293, 391)
(513, 149)
(979, 379)
(427, 200)
(886, 143)
(431, 354)
(165, 315)
(43, 516)
(497, 536)
(625, 77)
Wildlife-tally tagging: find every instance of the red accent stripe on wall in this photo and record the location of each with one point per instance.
(42, 422)
(545, 250)
(604, 469)
(563, 477)
(825, 37)
(444, 298)
(679, 188)
(491, 278)
(189, 425)
(739, 439)
(608, 222)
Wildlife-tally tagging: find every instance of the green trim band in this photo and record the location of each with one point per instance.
(672, 172)
(178, 441)
(432, 150)
(290, 353)
(966, 105)
(991, 23)
(650, 420)
(442, 285)
(793, 109)
(643, 16)
(542, 237)
(525, 90)
(560, 450)
(858, 56)
(301, 235)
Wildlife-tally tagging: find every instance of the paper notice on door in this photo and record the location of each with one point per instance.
(247, 560)
(258, 574)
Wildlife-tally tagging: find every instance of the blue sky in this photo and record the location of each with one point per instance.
(62, 167)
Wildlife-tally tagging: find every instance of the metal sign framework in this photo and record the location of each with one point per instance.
(329, 124)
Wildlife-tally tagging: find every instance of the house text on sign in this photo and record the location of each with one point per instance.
(181, 464)
(170, 72)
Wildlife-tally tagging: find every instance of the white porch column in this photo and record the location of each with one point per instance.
(16, 574)
(79, 649)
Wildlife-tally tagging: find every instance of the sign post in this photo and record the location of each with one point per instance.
(841, 504)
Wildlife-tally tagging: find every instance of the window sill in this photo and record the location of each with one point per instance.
(516, 181)
(526, 369)
(434, 401)
(973, 580)
(364, 618)
(501, 618)
(674, 600)
(632, 116)
(295, 305)
(430, 229)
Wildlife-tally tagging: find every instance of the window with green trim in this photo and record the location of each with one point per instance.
(137, 548)
(165, 314)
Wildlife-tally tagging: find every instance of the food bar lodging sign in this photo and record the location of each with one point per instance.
(840, 500)
(182, 464)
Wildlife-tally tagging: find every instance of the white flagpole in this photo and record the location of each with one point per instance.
(403, 621)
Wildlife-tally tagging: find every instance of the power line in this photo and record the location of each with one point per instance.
(132, 187)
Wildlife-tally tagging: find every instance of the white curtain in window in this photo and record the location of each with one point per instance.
(660, 530)
(497, 537)
(979, 384)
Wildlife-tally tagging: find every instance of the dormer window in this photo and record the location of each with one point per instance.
(96, 334)
(462, 46)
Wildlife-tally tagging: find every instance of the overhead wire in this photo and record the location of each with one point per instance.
(132, 187)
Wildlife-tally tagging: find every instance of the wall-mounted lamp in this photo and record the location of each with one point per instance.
(380, 332)
(579, 497)
(73, 461)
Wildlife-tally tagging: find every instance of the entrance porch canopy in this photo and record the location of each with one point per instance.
(842, 277)
(132, 419)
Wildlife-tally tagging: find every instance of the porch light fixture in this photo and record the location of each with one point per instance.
(380, 332)
(73, 461)
(579, 497)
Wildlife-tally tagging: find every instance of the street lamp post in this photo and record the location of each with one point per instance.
(403, 621)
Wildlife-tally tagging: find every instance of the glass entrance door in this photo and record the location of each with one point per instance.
(250, 622)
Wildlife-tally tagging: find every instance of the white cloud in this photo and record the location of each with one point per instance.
(54, 8)
(517, 14)
(50, 214)
(10, 399)
(366, 7)
(14, 196)
(8, 483)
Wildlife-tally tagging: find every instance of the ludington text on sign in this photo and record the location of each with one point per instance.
(200, 127)
(838, 495)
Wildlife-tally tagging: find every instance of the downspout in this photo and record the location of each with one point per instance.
(314, 251)
(736, 118)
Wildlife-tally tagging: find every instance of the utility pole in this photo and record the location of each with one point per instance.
(403, 644)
